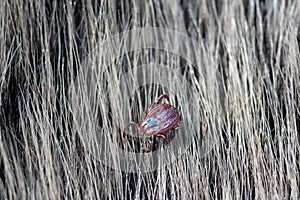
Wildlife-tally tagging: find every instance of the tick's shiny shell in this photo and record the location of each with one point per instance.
(160, 119)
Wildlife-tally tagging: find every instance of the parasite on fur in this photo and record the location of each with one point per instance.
(160, 119)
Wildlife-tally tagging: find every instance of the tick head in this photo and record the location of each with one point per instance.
(148, 126)
(148, 122)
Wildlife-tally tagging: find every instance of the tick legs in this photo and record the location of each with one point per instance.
(150, 146)
(150, 142)
(126, 127)
(164, 96)
(163, 138)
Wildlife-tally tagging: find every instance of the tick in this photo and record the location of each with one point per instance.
(161, 118)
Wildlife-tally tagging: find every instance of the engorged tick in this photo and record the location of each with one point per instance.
(160, 119)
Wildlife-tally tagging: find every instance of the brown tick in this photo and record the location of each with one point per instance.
(161, 118)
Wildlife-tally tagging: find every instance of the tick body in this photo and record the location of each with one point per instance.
(161, 118)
